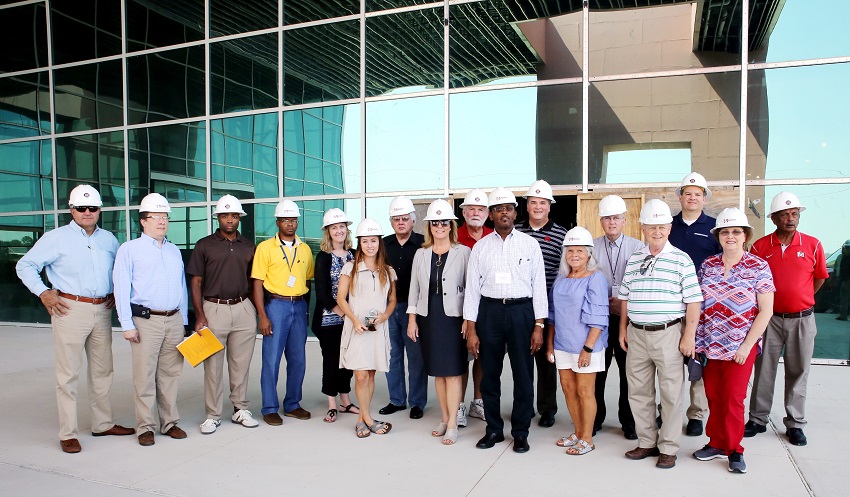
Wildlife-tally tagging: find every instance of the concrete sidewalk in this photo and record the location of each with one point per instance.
(314, 458)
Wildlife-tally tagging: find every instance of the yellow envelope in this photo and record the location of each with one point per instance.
(197, 347)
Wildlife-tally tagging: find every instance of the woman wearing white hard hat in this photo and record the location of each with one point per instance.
(367, 297)
(335, 251)
(435, 310)
(737, 288)
(578, 333)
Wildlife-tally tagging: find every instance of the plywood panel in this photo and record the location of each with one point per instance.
(588, 212)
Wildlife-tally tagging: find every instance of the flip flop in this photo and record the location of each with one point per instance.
(567, 441)
(380, 428)
(330, 417)
(348, 409)
(451, 436)
(580, 448)
(362, 430)
(440, 430)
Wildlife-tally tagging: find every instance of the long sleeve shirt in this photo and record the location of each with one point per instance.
(75, 262)
(149, 275)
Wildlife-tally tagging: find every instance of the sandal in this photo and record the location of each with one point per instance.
(362, 430)
(440, 430)
(348, 409)
(330, 417)
(567, 441)
(580, 448)
(380, 428)
(451, 436)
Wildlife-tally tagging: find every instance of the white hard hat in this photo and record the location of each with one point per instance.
(154, 202)
(731, 216)
(475, 197)
(287, 208)
(228, 204)
(440, 210)
(612, 205)
(334, 216)
(655, 212)
(502, 196)
(578, 236)
(369, 227)
(695, 179)
(540, 189)
(400, 206)
(84, 196)
(785, 200)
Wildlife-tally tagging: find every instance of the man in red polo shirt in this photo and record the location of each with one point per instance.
(799, 269)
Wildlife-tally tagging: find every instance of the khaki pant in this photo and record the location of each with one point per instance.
(654, 353)
(235, 326)
(85, 330)
(156, 369)
(699, 402)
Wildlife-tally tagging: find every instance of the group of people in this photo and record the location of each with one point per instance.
(692, 298)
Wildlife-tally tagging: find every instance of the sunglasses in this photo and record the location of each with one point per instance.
(89, 208)
(441, 222)
(158, 218)
(646, 264)
(400, 219)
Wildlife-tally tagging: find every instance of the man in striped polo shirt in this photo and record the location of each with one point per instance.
(658, 291)
(550, 236)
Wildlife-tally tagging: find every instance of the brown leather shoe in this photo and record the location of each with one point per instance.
(146, 439)
(273, 419)
(639, 453)
(665, 461)
(176, 433)
(70, 446)
(117, 430)
(299, 413)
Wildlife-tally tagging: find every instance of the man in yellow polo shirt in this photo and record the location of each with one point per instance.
(283, 267)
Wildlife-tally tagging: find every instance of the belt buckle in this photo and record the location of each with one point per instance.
(504, 301)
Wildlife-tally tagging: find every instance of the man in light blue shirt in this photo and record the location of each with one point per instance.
(152, 303)
(78, 261)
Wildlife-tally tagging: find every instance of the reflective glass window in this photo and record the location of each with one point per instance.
(170, 160)
(24, 28)
(798, 123)
(85, 29)
(166, 85)
(97, 160)
(24, 106)
(88, 96)
(160, 23)
(406, 144)
(558, 135)
(228, 17)
(17, 236)
(321, 63)
(26, 182)
(295, 11)
(243, 74)
(800, 29)
(244, 156)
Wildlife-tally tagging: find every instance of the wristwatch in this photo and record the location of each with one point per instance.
(540, 325)
(587, 349)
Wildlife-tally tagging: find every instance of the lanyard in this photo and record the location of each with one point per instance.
(294, 257)
(616, 262)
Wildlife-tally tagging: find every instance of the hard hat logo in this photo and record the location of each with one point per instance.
(227, 206)
(478, 199)
(86, 195)
(537, 190)
(693, 180)
(439, 212)
(787, 202)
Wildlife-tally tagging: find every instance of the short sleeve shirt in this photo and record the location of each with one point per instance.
(464, 238)
(794, 270)
(274, 263)
(224, 265)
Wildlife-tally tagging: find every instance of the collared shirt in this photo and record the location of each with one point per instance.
(613, 257)
(75, 262)
(224, 265)
(400, 258)
(464, 238)
(149, 275)
(551, 240)
(274, 263)
(695, 239)
(794, 270)
(505, 269)
(661, 293)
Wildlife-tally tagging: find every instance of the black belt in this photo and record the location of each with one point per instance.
(507, 301)
(656, 327)
(164, 313)
(226, 301)
(791, 315)
(286, 297)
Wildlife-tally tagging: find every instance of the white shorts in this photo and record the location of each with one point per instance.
(566, 360)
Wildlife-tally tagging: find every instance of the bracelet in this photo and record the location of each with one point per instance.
(587, 349)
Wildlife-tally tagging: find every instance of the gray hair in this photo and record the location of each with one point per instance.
(592, 263)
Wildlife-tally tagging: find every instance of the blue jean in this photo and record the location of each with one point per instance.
(418, 379)
(289, 335)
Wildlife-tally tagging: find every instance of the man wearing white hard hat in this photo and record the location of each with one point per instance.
(401, 247)
(550, 235)
(282, 270)
(152, 303)
(221, 288)
(798, 265)
(660, 295)
(613, 250)
(504, 308)
(78, 259)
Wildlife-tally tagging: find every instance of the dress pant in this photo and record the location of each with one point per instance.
(726, 388)
(157, 365)
(698, 408)
(614, 351)
(547, 383)
(288, 338)
(86, 330)
(651, 354)
(417, 394)
(335, 380)
(235, 326)
(502, 326)
(797, 336)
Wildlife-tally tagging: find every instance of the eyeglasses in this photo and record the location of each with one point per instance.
(502, 208)
(89, 208)
(158, 218)
(731, 232)
(400, 219)
(618, 217)
(646, 264)
(441, 222)
(287, 221)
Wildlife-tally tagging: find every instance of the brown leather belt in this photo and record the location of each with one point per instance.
(227, 301)
(791, 315)
(87, 300)
(285, 297)
(164, 313)
(656, 327)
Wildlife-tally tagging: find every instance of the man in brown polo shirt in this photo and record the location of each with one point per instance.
(219, 268)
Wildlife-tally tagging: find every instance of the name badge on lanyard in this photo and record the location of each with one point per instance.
(292, 280)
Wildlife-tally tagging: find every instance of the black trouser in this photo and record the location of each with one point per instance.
(547, 382)
(335, 380)
(502, 326)
(614, 349)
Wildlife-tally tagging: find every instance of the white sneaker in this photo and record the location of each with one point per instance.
(476, 409)
(209, 426)
(244, 418)
(461, 415)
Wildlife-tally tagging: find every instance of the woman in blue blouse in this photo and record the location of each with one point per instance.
(578, 332)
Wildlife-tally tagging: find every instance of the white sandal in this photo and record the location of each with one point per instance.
(580, 448)
(567, 441)
(440, 430)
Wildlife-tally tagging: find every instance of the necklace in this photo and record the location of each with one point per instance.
(439, 260)
(437, 274)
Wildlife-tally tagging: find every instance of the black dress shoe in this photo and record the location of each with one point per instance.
(521, 445)
(629, 433)
(416, 412)
(694, 428)
(547, 419)
(796, 436)
(489, 440)
(391, 408)
(752, 429)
